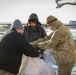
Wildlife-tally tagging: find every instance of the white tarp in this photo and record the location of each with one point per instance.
(35, 66)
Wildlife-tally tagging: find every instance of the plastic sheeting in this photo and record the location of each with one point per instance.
(35, 66)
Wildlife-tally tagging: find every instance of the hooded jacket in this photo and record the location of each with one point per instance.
(35, 34)
(12, 46)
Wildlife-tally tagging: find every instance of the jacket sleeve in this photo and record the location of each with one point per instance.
(42, 39)
(43, 32)
(56, 38)
(26, 48)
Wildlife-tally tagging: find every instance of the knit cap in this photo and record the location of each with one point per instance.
(17, 24)
(50, 19)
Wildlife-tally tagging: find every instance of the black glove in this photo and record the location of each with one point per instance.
(41, 51)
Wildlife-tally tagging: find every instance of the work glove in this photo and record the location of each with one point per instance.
(41, 51)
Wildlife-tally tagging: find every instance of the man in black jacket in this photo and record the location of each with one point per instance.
(34, 30)
(12, 46)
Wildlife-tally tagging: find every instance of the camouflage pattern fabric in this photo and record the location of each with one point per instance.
(62, 43)
(65, 69)
(2, 72)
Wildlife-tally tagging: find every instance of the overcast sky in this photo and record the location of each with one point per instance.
(21, 9)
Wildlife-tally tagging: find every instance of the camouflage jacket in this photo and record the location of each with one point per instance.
(61, 40)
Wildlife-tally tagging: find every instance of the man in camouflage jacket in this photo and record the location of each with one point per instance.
(62, 43)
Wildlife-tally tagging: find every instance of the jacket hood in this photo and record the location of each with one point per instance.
(33, 16)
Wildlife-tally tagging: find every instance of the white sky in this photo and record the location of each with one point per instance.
(21, 9)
